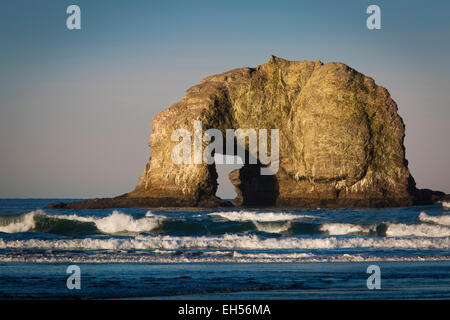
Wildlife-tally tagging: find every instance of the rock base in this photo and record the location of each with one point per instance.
(422, 197)
(127, 202)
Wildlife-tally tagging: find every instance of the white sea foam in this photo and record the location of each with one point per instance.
(446, 204)
(272, 227)
(230, 242)
(114, 223)
(273, 256)
(393, 230)
(258, 216)
(119, 222)
(21, 223)
(210, 256)
(442, 220)
(417, 230)
(346, 228)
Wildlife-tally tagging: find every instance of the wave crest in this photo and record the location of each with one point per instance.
(116, 222)
(442, 220)
(19, 223)
(228, 241)
(258, 216)
(390, 229)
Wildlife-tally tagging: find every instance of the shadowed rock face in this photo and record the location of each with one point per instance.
(341, 140)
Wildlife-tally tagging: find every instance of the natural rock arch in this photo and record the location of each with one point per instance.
(341, 139)
(341, 142)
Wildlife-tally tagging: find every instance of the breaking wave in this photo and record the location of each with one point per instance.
(228, 241)
(258, 216)
(347, 228)
(171, 256)
(272, 222)
(387, 229)
(228, 236)
(119, 222)
(442, 220)
(417, 230)
(116, 222)
(230, 223)
(272, 227)
(18, 223)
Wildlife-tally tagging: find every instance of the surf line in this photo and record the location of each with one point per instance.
(190, 310)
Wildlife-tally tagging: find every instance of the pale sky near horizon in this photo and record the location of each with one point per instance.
(76, 106)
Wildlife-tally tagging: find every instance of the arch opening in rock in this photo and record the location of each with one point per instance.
(252, 188)
(225, 189)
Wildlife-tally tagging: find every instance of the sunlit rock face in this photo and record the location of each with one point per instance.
(340, 139)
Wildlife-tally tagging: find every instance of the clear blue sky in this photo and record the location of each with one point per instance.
(76, 106)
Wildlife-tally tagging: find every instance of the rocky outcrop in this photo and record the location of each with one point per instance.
(340, 141)
(124, 201)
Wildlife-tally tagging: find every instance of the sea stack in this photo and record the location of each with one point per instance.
(340, 142)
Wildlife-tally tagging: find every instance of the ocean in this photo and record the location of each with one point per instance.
(232, 253)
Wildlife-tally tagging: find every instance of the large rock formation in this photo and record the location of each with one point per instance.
(341, 141)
